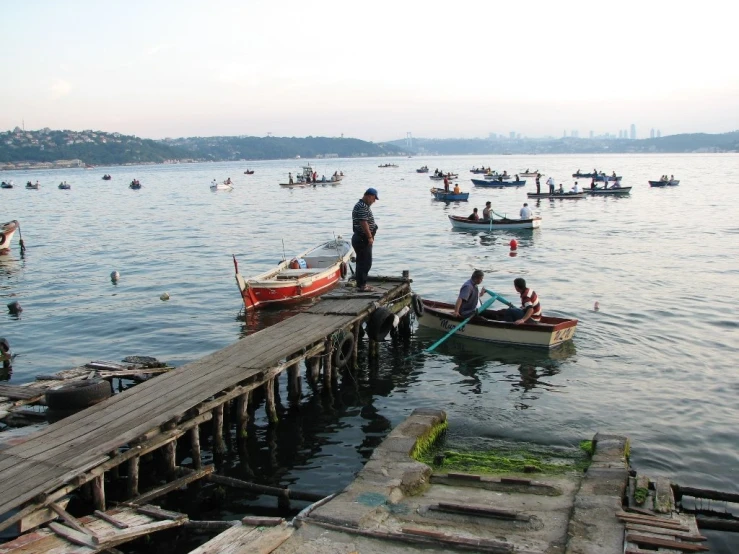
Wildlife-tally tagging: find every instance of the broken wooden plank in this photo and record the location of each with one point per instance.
(139, 531)
(73, 536)
(482, 511)
(159, 513)
(662, 531)
(239, 539)
(70, 520)
(17, 392)
(655, 541)
(110, 519)
(265, 521)
(174, 485)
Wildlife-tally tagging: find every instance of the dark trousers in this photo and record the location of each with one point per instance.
(513, 314)
(551, 189)
(363, 250)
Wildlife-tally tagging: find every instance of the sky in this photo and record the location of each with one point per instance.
(370, 70)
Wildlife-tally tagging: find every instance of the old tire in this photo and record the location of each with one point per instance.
(78, 395)
(380, 323)
(417, 304)
(343, 269)
(343, 351)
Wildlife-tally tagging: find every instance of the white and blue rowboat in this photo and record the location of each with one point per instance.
(549, 333)
(606, 192)
(497, 184)
(444, 196)
(672, 183)
(459, 222)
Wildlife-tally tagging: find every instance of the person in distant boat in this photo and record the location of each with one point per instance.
(436, 172)
(364, 227)
(469, 295)
(37, 183)
(341, 173)
(487, 211)
(614, 175)
(446, 184)
(456, 188)
(530, 310)
(550, 182)
(517, 179)
(214, 183)
(576, 188)
(474, 216)
(525, 212)
(592, 183)
(527, 170)
(578, 171)
(561, 189)
(290, 178)
(616, 185)
(538, 183)
(672, 178)
(505, 173)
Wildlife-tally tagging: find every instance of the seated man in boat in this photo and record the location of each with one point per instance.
(456, 188)
(469, 296)
(487, 211)
(576, 188)
(529, 312)
(525, 212)
(474, 216)
(561, 189)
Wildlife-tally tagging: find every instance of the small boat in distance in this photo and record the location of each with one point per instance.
(65, 186)
(424, 169)
(550, 332)
(249, 172)
(444, 196)
(214, 185)
(387, 165)
(528, 173)
(665, 182)
(33, 186)
(558, 195)
(106, 177)
(460, 222)
(497, 183)
(441, 177)
(135, 184)
(7, 230)
(6, 185)
(613, 191)
(305, 276)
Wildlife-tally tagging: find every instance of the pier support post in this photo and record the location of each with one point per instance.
(114, 472)
(219, 447)
(242, 415)
(269, 391)
(327, 369)
(314, 368)
(197, 461)
(133, 477)
(98, 492)
(227, 424)
(169, 452)
(293, 383)
(355, 349)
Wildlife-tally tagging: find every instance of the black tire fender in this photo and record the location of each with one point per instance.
(343, 268)
(380, 323)
(417, 304)
(78, 395)
(344, 350)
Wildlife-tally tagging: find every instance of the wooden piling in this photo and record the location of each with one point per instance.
(98, 492)
(355, 350)
(242, 415)
(133, 477)
(293, 383)
(197, 460)
(219, 447)
(269, 391)
(170, 463)
(327, 365)
(314, 368)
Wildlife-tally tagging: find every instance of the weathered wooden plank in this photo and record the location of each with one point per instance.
(662, 531)
(110, 519)
(242, 539)
(159, 513)
(70, 520)
(169, 487)
(655, 541)
(73, 536)
(17, 392)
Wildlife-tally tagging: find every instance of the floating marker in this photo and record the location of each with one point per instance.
(596, 306)
(114, 276)
(514, 244)
(15, 308)
(164, 296)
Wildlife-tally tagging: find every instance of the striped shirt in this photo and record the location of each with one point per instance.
(529, 299)
(362, 212)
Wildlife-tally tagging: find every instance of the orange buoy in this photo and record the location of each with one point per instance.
(514, 244)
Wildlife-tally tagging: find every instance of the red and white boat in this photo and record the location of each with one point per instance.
(7, 230)
(308, 275)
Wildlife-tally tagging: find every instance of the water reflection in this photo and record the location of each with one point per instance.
(9, 266)
(527, 369)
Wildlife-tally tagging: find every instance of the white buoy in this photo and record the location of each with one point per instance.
(164, 296)
(114, 276)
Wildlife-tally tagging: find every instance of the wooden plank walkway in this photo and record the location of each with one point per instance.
(57, 456)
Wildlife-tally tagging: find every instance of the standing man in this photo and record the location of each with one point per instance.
(446, 183)
(486, 211)
(550, 182)
(538, 183)
(290, 178)
(469, 296)
(363, 225)
(530, 310)
(525, 211)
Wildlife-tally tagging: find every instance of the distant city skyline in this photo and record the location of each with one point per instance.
(168, 69)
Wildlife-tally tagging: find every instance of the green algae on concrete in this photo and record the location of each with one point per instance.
(426, 442)
(504, 459)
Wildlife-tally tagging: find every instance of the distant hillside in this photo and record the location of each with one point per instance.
(19, 148)
(693, 142)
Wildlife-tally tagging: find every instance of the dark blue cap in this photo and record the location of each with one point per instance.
(373, 192)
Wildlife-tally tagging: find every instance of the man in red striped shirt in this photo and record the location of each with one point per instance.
(530, 310)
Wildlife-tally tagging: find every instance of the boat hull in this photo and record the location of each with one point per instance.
(550, 333)
(528, 174)
(622, 191)
(494, 224)
(284, 286)
(564, 196)
(7, 230)
(442, 195)
(493, 184)
(673, 183)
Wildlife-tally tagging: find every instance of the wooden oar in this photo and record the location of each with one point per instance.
(481, 309)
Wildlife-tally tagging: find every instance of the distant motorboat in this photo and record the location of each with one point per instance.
(661, 183)
(65, 186)
(6, 185)
(106, 177)
(249, 172)
(135, 184)
(424, 169)
(33, 186)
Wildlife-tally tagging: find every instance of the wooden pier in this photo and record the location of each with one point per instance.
(154, 415)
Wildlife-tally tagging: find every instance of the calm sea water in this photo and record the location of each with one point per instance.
(656, 362)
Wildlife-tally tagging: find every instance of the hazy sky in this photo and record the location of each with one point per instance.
(372, 70)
